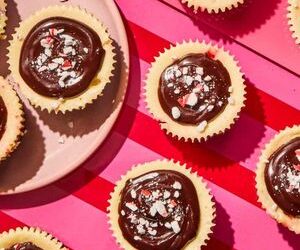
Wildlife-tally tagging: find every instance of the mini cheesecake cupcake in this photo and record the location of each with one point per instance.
(3, 18)
(62, 58)
(195, 90)
(11, 119)
(213, 6)
(161, 205)
(278, 178)
(29, 239)
(294, 19)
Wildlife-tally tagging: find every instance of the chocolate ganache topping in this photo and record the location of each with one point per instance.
(194, 89)
(60, 57)
(3, 117)
(282, 177)
(159, 210)
(24, 246)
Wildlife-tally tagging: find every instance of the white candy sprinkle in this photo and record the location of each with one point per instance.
(230, 89)
(210, 108)
(185, 70)
(67, 50)
(122, 213)
(131, 206)
(178, 73)
(176, 91)
(43, 68)
(153, 210)
(160, 208)
(192, 100)
(199, 70)
(48, 52)
(133, 194)
(231, 100)
(58, 60)
(175, 226)
(166, 194)
(220, 103)
(207, 78)
(189, 80)
(202, 107)
(176, 194)
(202, 126)
(206, 88)
(198, 78)
(152, 232)
(86, 50)
(168, 225)
(176, 113)
(52, 66)
(137, 238)
(177, 185)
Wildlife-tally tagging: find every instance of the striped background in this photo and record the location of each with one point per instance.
(74, 208)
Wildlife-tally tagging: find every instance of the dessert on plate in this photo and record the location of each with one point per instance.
(11, 119)
(62, 58)
(195, 90)
(161, 205)
(278, 178)
(29, 239)
(3, 18)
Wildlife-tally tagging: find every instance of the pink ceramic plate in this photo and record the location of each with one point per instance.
(56, 144)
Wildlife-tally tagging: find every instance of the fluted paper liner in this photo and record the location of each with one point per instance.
(212, 6)
(98, 84)
(207, 206)
(3, 18)
(222, 121)
(294, 19)
(36, 236)
(15, 119)
(293, 223)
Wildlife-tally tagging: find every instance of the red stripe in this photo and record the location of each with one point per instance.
(260, 105)
(216, 168)
(7, 222)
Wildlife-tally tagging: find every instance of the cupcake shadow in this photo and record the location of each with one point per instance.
(235, 145)
(289, 236)
(223, 228)
(25, 162)
(93, 116)
(236, 22)
(12, 22)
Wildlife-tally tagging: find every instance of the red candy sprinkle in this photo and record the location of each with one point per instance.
(212, 53)
(182, 100)
(297, 167)
(145, 192)
(173, 203)
(67, 65)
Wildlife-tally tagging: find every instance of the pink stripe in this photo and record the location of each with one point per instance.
(243, 216)
(77, 224)
(264, 75)
(248, 134)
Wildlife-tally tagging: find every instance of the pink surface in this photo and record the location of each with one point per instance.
(74, 209)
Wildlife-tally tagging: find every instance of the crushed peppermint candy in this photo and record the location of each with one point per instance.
(176, 113)
(177, 185)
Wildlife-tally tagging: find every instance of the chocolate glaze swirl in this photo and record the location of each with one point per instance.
(282, 177)
(60, 57)
(24, 246)
(159, 210)
(194, 89)
(3, 117)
